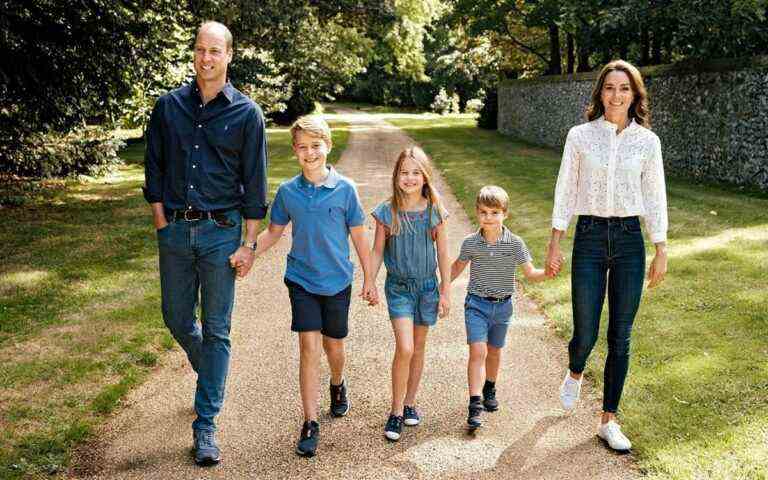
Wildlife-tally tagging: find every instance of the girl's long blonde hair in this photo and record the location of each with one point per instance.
(428, 191)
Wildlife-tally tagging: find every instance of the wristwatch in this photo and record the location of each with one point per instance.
(251, 245)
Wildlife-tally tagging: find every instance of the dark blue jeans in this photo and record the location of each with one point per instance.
(194, 264)
(607, 252)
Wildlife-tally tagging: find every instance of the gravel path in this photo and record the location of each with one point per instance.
(530, 438)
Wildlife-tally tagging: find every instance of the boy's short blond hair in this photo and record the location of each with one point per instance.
(314, 125)
(491, 196)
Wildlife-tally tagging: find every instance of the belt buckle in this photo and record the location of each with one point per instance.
(196, 213)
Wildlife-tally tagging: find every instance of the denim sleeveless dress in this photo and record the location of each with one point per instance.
(411, 287)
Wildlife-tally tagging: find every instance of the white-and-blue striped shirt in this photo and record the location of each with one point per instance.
(492, 267)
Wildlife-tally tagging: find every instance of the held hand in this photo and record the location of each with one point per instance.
(444, 307)
(242, 261)
(554, 261)
(370, 294)
(658, 269)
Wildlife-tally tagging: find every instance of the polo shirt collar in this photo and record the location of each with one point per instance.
(331, 181)
(506, 235)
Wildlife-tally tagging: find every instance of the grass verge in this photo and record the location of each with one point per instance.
(80, 320)
(696, 400)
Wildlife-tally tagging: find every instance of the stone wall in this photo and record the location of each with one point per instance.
(712, 118)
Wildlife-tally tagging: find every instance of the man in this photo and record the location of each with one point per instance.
(205, 167)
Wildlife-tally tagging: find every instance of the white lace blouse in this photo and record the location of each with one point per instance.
(609, 175)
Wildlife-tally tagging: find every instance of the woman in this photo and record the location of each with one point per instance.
(611, 174)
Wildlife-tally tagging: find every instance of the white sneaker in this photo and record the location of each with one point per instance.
(611, 433)
(569, 391)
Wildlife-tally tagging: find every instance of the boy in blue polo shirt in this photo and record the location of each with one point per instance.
(324, 209)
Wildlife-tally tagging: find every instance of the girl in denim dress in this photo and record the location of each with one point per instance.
(412, 242)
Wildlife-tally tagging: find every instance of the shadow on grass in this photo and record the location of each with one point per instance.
(83, 246)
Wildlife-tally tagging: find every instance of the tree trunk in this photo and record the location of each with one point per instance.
(555, 67)
(656, 47)
(583, 45)
(645, 44)
(571, 53)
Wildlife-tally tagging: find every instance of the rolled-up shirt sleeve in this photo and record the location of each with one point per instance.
(154, 160)
(654, 191)
(567, 187)
(254, 167)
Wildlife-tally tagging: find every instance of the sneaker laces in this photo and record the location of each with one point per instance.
(394, 421)
(571, 386)
(613, 429)
(206, 439)
(338, 390)
(306, 430)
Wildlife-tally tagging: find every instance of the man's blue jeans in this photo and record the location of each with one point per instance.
(194, 265)
(606, 252)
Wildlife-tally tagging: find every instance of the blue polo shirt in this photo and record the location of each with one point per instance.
(321, 215)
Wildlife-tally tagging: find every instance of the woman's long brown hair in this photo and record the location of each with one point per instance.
(639, 110)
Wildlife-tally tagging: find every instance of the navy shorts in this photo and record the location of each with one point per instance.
(327, 313)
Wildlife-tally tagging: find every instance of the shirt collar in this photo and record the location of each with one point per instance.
(613, 127)
(228, 90)
(331, 181)
(506, 235)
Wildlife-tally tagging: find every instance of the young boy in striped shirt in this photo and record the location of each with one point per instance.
(494, 253)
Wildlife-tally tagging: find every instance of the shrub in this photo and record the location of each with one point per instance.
(296, 106)
(442, 102)
(455, 103)
(474, 105)
(88, 151)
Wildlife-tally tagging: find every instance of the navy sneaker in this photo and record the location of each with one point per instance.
(339, 401)
(411, 416)
(394, 428)
(310, 434)
(206, 450)
(489, 399)
(474, 417)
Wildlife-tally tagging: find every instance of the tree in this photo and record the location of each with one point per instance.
(314, 47)
(530, 26)
(70, 63)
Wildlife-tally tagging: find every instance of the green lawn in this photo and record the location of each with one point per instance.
(80, 316)
(696, 400)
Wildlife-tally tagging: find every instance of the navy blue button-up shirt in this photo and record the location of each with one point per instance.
(207, 156)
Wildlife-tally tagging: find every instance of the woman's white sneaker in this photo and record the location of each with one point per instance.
(611, 433)
(570, 391)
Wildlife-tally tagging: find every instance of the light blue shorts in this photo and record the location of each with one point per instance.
(487, 320)
(412, 298)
